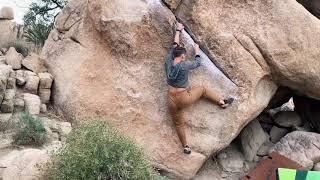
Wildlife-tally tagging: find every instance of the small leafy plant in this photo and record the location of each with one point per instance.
(95, 151)
(30, 131)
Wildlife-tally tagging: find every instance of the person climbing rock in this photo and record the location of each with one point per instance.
(180, 94)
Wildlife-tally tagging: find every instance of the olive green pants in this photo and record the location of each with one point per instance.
(179, 100)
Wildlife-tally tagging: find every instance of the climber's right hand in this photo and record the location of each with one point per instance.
(180, 26)
(196, 48)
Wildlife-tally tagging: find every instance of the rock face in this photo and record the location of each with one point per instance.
(9, 29)
(34, 63)
(119, 75)
(7, 105)
(32, 103)
(252, 137)
(107, 58)
(4, 75)
(302, 147)
(14, 82)
(32, 83)
(13, 58)
(231, 159)
(23, 164)
(173, 4)
(268, 43)
(6, 13)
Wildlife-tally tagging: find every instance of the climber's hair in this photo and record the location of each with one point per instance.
(178, 51)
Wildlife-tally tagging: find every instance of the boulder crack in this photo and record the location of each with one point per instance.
(261, 61)
(76, 40)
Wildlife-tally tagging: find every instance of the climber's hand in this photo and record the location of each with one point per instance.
(196, 48)
(180, 26)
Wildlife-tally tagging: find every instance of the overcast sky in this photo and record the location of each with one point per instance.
(19, 7)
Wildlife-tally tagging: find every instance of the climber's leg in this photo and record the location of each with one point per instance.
(189, 96)
(193, 94)
(180, 127)
(179, 122)
(215, 98)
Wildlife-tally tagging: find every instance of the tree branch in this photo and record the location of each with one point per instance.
(57, 3)
(46, 10)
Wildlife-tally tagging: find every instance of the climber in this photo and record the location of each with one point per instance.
(180, 95)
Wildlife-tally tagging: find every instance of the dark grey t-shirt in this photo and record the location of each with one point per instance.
(177, 75)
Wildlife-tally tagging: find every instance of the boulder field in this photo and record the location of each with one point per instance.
(107, 58)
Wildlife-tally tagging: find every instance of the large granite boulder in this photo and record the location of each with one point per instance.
(32, 103)
(252, 138)
(112, 56)
(8, 28)
(13, 58)
(277, 37)
(6, 13)
(107, 59)
(34, 63)
(302, 147)
(231, 159)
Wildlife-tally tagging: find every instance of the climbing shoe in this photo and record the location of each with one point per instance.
(227, 102)
(187, 150)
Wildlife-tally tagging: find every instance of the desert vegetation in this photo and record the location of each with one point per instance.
(29, 131)
(96, 151)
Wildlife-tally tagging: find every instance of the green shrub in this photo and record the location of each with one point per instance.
(30, 131)
(94, 151)
(37, 33)
(21, 46)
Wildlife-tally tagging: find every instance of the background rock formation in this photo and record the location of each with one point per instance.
(302, 147)
(8, 28)
(107, 59)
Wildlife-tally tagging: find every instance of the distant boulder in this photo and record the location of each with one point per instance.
(6, 13)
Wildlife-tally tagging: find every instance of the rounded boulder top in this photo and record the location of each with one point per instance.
(6, 13)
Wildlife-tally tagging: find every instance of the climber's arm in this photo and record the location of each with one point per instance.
(197, 60)
(179, 29)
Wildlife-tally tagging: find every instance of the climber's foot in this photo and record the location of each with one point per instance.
(187, 150)
(227, 102)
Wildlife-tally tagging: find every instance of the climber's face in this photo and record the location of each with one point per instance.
(183, 57)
